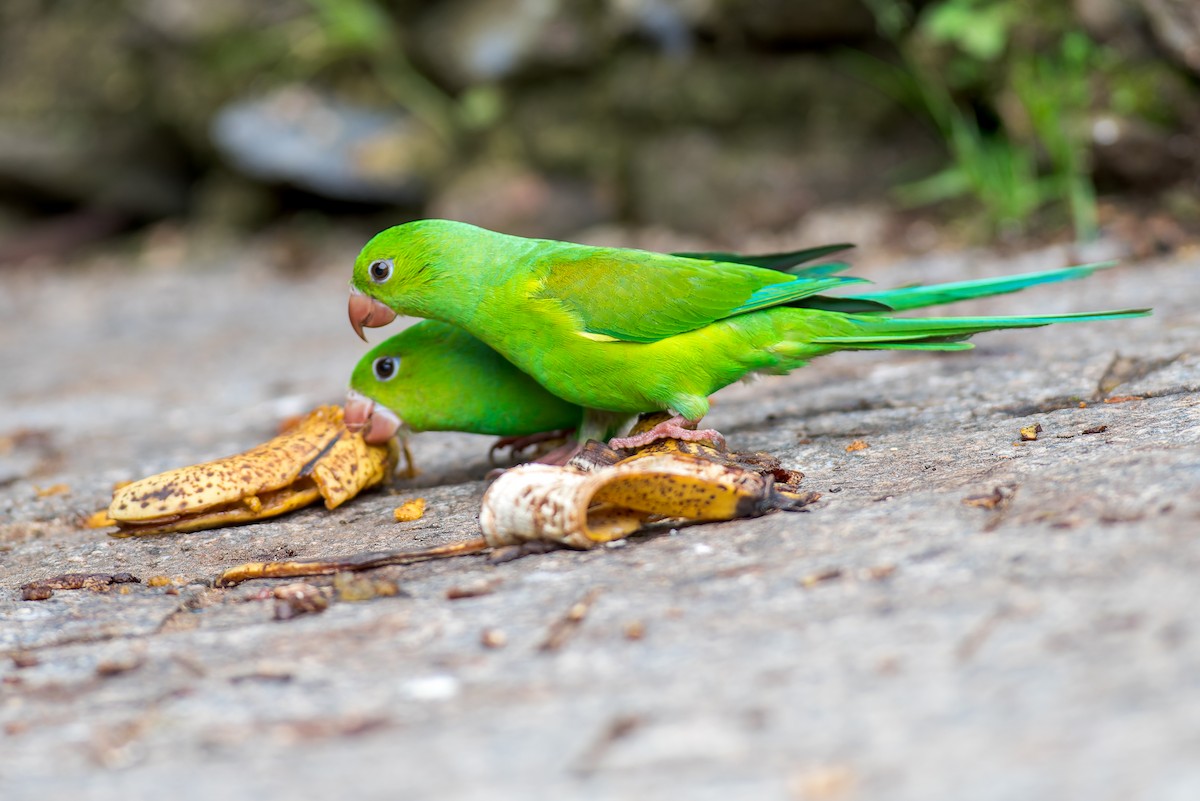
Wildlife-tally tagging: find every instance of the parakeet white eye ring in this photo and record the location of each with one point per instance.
(380, 270)
(385, 368)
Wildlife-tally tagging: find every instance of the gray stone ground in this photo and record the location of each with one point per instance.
(893, 642)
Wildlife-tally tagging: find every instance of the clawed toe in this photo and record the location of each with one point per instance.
(518, 444)
(558, 456)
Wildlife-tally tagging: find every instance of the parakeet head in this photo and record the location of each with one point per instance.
(399, 267)
(381, 388)
(433, 376)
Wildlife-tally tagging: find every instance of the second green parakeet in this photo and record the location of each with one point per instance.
(433, 376)
(621, 331)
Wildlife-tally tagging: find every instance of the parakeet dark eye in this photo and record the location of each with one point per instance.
(385, 368)
(380, 270)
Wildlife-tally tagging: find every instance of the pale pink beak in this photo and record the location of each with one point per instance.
(357, 412)
(383, 426)
(368, 312)
(378, 423)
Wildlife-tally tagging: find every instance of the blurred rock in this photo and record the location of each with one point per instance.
(1132, 153)
(739, 90)
(195, 20)
(867, 225)
(670, 24)
(125, 169)
(695, 182)
(74, 129)
(645, 237)
(319, 143)
(771, 133)
(813, 21)
(730, 187)
(1176, 23)
(58, 237)
(1106, 20)
(481, 41)
(517, 200)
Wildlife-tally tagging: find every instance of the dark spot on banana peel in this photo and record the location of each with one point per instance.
(161, 494)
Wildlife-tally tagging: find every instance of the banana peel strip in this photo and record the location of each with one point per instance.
(317, 458)
(585, 509)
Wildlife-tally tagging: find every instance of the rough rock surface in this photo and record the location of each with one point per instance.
(1177, 25)
(894, 642)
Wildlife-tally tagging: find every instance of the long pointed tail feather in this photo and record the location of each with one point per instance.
(924, 295)
(921, 296)
(939, 344)
(874, 333)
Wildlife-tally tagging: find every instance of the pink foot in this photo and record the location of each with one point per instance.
(675, 428)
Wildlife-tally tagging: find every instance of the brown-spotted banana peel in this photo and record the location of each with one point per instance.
(316, 458)
(583, 510)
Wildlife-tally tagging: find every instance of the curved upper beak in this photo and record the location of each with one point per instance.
(380, 423)
(368, 312)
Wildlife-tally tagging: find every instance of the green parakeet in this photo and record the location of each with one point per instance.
(436, 377)
(621, 331)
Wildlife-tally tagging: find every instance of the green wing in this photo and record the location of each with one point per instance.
(640, 296)
(793, 262)
(787, 261)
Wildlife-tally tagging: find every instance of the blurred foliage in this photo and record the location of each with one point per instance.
(333, 41)
(362, 29)
(712, 118)
(1055, 91)
(1008, 84)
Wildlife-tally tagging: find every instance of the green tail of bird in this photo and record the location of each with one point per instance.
(922, 296)
(778, 340)
(797, 336)
(919, 297)
(875, 331)
(893, 300)
(870, 332)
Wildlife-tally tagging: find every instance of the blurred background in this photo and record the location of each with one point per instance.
(167, 126)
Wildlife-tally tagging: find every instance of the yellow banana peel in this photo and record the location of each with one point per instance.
(585, 509)
(316, 458)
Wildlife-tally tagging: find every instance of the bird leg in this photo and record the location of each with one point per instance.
(557, 457)
(518, 444)
(677, 427)
(560, 455)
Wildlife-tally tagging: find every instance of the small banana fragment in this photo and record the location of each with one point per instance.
(316, 458)
(585, 509)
